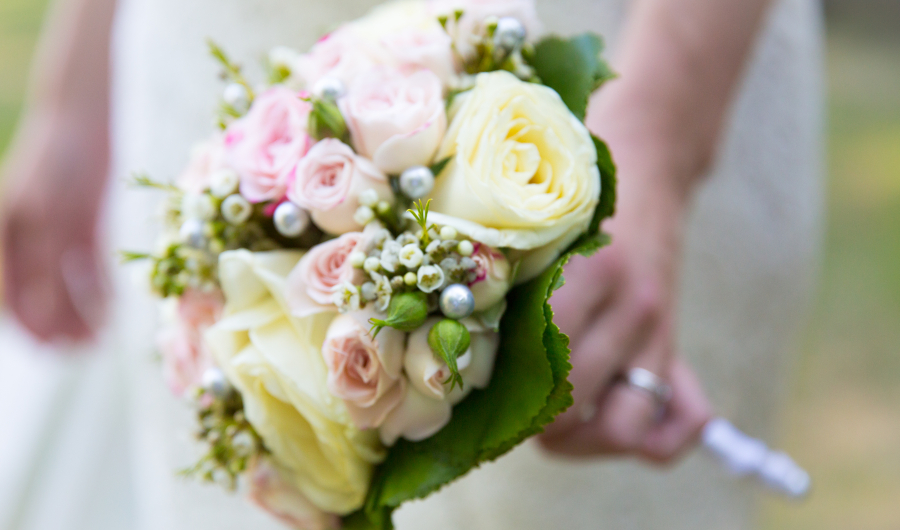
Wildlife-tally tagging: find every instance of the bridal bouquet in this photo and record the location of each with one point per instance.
(355, 269)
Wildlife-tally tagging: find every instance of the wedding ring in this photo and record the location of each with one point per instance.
(649, 382)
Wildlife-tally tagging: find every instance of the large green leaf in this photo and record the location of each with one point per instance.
(573, 67)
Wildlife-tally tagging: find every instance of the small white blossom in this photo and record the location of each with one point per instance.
(346, 297)
(197, 206)
(283, 57)
(390, 256)
(410, 278)
(407, 239)
(372, 264)
(468, 263)
(383, 207)
(223, 183)
(429, 278)
(411, 256)
(236, 209)
(448, 232)
(368, 291)
(433, 233)
(465, 248)
(363, 215)
(368, 198)
(383, 292)
(357, 258)
(397, 282)
(449, 246)
(433, 246)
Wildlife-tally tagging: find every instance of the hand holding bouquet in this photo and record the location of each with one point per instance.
(356, 267)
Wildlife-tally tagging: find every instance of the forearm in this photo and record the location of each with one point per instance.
(64, 132)
(679, 64)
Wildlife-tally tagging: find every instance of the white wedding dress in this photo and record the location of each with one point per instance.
(100, 438)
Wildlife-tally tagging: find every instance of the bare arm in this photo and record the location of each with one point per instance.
(680, 62)
(55, 174)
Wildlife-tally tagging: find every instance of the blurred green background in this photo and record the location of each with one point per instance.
(843, 420)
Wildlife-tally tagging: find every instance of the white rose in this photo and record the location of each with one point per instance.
(427, 406)
(523, 173)
(396, 120)
(275, 361)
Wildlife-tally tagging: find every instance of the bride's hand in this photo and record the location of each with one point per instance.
(53, 279)
(626, 318)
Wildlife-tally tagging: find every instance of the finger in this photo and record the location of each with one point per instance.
(598, 356)
(686, 415)
(575, 307)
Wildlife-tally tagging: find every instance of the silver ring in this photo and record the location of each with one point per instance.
(649, 382)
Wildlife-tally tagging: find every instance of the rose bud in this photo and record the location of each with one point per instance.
(406, 312)
(363, 371)
(493, 277)
(330, 179)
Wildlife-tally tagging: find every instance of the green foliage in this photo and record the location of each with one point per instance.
(607, 206)
(326, 121)
(421, 217)
(448, 340)
(573, 67)
(439, 166)
(231, 70)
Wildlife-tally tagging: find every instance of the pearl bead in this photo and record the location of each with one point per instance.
(416, 182)
(215, 382)
(235, 95)
(457, 301)
(192, 233)
(510, 34)
(290, 220)
(329, 88)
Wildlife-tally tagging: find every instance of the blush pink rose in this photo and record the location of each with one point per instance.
(265, 146)
(180, 340)
(396, 119)
(340, 55)
(268, 489)
(414, 49)
(310, 286)
(494, 277)
(328, 182)
(206, 159)
(363, 371)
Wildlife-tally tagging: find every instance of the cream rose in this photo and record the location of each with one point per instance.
(275, 361)
(397, 120)
(270, 490)
(311, 285)
(427, 406)
(523, 173)
(328, 182)
(265, 146)
(364, 371)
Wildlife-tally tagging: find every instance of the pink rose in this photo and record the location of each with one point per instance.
(340, 55)
(413, 49)
(180, 341)
(328, 183)
(206, 159)
(310, 286)
(265, 146)
(363, 371)
(395, 119)
(494, 277)
(271, 492)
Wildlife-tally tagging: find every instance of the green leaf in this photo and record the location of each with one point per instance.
(573, 67)
(326, 121)
(439, 166)
(607, 206)
(528, 389)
